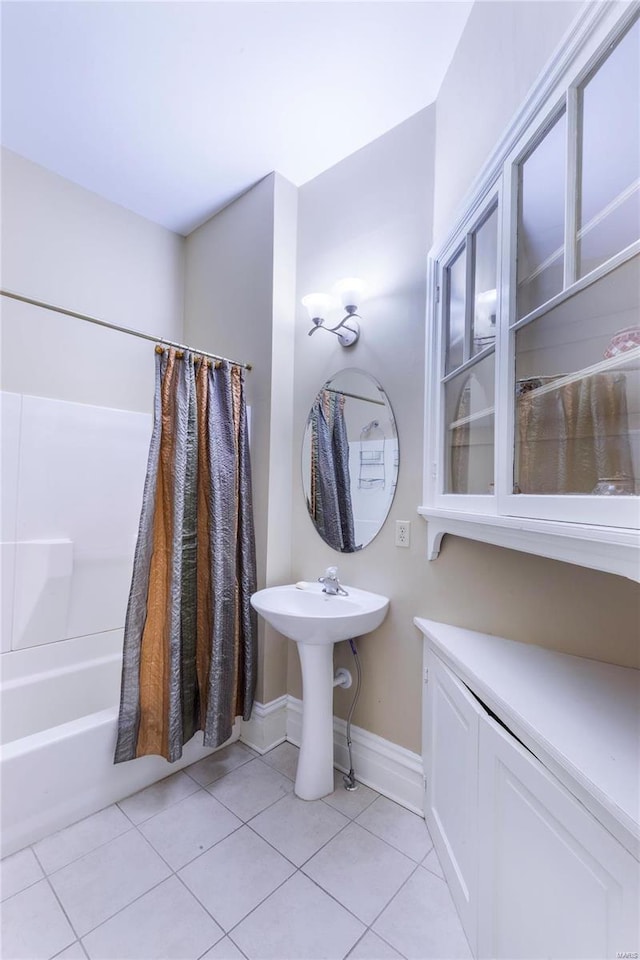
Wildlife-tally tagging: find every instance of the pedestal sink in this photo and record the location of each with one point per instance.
(316, 620)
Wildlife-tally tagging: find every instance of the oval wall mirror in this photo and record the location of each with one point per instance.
(350, 460)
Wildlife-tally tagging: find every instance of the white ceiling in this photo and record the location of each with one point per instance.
(172, 109)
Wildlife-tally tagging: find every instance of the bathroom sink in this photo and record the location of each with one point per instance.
(316, 620)
(309, 615)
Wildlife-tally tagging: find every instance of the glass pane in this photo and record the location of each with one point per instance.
(541, 220)
(578, 392)
(469, 429)
(610, 215)
(485, 294)
(456, 286)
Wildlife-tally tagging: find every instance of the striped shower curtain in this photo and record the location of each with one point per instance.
(190, 634)
(330, 501)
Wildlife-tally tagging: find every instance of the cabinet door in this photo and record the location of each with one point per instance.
(554, 882)
(452, 786)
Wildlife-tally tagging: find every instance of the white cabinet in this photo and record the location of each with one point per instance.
(533, 380)
(553, 881)
(452, 786)
(532, 769)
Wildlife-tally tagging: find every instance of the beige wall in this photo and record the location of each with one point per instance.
(501, 52)
(63, 244)
(371, 215)
(239, 300)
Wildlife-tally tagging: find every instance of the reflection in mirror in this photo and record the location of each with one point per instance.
(350, 460)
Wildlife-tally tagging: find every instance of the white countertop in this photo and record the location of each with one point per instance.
(580, 717)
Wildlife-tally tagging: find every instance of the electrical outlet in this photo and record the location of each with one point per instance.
(403, 533)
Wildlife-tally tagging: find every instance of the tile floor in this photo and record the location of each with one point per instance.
(222, 861)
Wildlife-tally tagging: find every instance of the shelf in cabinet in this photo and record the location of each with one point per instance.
(476, 417)
(627, 362)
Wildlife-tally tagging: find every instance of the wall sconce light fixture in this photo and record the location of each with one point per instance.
(351, 291)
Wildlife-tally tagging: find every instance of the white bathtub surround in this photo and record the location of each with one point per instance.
(265, 884)
(81, 471)
(390, 769)
(42, 592)
(7, 587)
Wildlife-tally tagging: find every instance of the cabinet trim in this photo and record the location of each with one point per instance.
(610, 549)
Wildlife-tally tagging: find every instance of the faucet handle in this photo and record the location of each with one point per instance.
(331, 573)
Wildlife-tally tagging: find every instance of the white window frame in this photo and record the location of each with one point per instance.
(598, 532)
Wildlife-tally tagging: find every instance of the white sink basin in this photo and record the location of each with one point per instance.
(316, 620)
(310, 616)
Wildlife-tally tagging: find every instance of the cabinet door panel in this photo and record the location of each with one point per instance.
(555, 882)
(452, 786)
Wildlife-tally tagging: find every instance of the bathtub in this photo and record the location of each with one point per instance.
(59, 708)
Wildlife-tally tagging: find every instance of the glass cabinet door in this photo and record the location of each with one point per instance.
(470, 281)
(577, 393)
(577, 331)
(609, 179)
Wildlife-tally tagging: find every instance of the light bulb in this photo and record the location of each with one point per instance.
(318, 305)
(351, 291)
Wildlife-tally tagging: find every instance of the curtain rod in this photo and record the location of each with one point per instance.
(114, 326)
(343, 393)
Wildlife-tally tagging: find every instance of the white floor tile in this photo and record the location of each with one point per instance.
(284, 758)
(33, 925)
(224, 950)
(95, 887)
(18, 872)
(251, 788)
(405, 831)
(298, 921)
(74, 952)
(235, 876)
(371, 947)
(349, 802)
(360, 871)
(432, 863)
(188, 828)
(167, 923)
(421, 921)
(298, 828)
(145, 804)
(220, 763)
(67, 845)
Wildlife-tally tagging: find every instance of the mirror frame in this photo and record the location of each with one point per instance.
(392, 428)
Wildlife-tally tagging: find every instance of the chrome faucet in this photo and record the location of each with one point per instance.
(331, 584)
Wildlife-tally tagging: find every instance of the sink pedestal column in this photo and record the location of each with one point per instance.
(314, 778)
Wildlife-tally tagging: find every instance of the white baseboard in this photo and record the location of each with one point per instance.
(392, 770)
(267, 727)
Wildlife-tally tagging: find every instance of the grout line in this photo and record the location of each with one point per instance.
(242, 919)
(311, 856)
(176, 870)
(62, 907)
(121, 909)
(167, 807)
(391, 899)
(80, 944)
(242, 953)
(392, 845)
(226, 772)
(51, 873)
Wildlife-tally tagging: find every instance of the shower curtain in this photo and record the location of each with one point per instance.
(190, 651)
(330, 501)
(571, 436)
